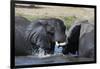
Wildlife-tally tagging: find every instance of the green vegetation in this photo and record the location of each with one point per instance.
(68, 20)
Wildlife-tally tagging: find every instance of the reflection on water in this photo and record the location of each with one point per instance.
(58, 57)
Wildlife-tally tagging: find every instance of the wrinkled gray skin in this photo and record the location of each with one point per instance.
(42, 33)
(80, 40)
(21, 47)
(86, 40)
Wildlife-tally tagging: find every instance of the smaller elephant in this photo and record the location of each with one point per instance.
(80, 40)
(86, 40)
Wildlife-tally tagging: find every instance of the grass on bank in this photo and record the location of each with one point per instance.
(68, 20)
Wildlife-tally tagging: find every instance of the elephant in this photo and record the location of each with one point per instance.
(86, 42)
(39, 35)
(21, 47)
(80, 40)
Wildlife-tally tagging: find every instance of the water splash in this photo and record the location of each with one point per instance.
(41, 53)
(58, 51)
(58, 48)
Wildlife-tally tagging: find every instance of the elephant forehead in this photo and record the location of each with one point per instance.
(39, 30)
(51, 24)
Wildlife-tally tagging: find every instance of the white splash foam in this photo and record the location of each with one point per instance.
(41, 54)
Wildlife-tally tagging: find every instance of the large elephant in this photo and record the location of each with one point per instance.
(80, 39)
(39, 34)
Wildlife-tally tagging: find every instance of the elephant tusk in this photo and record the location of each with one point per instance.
(61, 44)
(57, 44)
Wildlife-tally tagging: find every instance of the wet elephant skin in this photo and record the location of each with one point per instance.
(41, 33)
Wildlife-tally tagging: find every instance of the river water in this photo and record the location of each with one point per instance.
(33, 60)
(58, 57)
